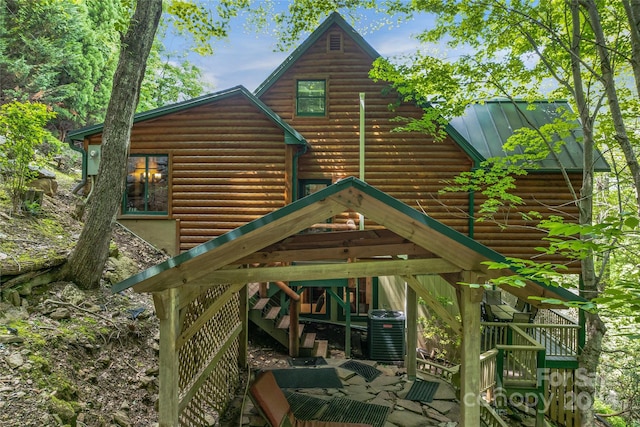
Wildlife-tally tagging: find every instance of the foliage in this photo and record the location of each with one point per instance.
(202, 24)
(22, 131)
(61, 54)
(615, 421)
(439, 336)
(169, 77)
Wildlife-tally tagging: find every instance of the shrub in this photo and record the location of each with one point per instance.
(21, 132)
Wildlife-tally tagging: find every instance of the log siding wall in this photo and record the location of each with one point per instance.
(407, 166)
(227, 166)
(229, 163)
(411, 167)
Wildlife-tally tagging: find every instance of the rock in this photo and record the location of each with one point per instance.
(210, 420)
(25, 290)
(60, 313)
(147, 383)
(409, 419)
(15, 360)
(121, 418)
(11, 296)
(62, 409)
(432, 413)
(72, 294)
(11, 339)
(442, 406)
(44, 181)
(119, 269)
(47, 185)
(410, 405)
(13, 313)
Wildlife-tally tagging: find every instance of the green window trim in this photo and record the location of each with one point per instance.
(311, 98)
(147, 185)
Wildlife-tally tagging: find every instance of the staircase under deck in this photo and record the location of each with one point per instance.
(267, 314)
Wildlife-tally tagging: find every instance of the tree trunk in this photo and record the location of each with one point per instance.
(594, 329)
(632, 8)
(87, 261)
(609, 84)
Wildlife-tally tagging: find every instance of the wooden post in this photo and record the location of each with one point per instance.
(470, 299)
(168, 375)
(243, 295)
(294, 328)
(412, 332)
(347, 332)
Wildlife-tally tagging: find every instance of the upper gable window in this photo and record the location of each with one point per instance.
(147, 185)
(311, 97)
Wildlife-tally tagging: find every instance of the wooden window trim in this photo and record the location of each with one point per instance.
(124, 213)
(326, 96)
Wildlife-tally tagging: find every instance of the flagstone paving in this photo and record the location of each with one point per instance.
(389, 389)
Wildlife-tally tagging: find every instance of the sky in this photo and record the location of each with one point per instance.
(247, 58)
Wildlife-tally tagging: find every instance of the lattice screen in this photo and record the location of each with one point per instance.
(208, 361)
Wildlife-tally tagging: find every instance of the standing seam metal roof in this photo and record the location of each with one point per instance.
(487, 127)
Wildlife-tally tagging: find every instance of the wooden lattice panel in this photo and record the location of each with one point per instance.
(208, 360)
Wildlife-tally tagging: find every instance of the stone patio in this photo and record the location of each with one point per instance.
(388, 389)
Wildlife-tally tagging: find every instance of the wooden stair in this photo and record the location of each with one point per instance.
(265, 313)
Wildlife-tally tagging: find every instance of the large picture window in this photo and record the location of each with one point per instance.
(311, 98)
(147, 185)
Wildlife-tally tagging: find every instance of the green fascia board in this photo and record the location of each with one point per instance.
(334, 18)
(416, 216)
(292, 136)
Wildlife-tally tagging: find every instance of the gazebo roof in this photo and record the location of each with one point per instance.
(274, 247)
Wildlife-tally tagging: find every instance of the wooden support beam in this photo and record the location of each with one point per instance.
(329, 271)
(197, 268)
(243, 356)
(168, 364)
(412, 332)
(294, 327)
(470, 299)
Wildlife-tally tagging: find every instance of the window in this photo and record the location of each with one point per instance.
(311, 98)
(147, 186)
(310, 186)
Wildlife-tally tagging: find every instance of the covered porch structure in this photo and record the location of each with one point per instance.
(201, 295)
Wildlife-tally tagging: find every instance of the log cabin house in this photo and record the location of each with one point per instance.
(202, 169)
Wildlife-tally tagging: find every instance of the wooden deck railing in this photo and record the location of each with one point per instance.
(519, 360)
(490, 417)
(488, 371)
(560, 341)
(552, 317)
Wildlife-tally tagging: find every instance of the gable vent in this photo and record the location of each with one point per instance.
(335, 42)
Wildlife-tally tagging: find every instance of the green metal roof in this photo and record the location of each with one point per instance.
(487, 127)
(292, 136)
(334, 18)
(399, 215)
